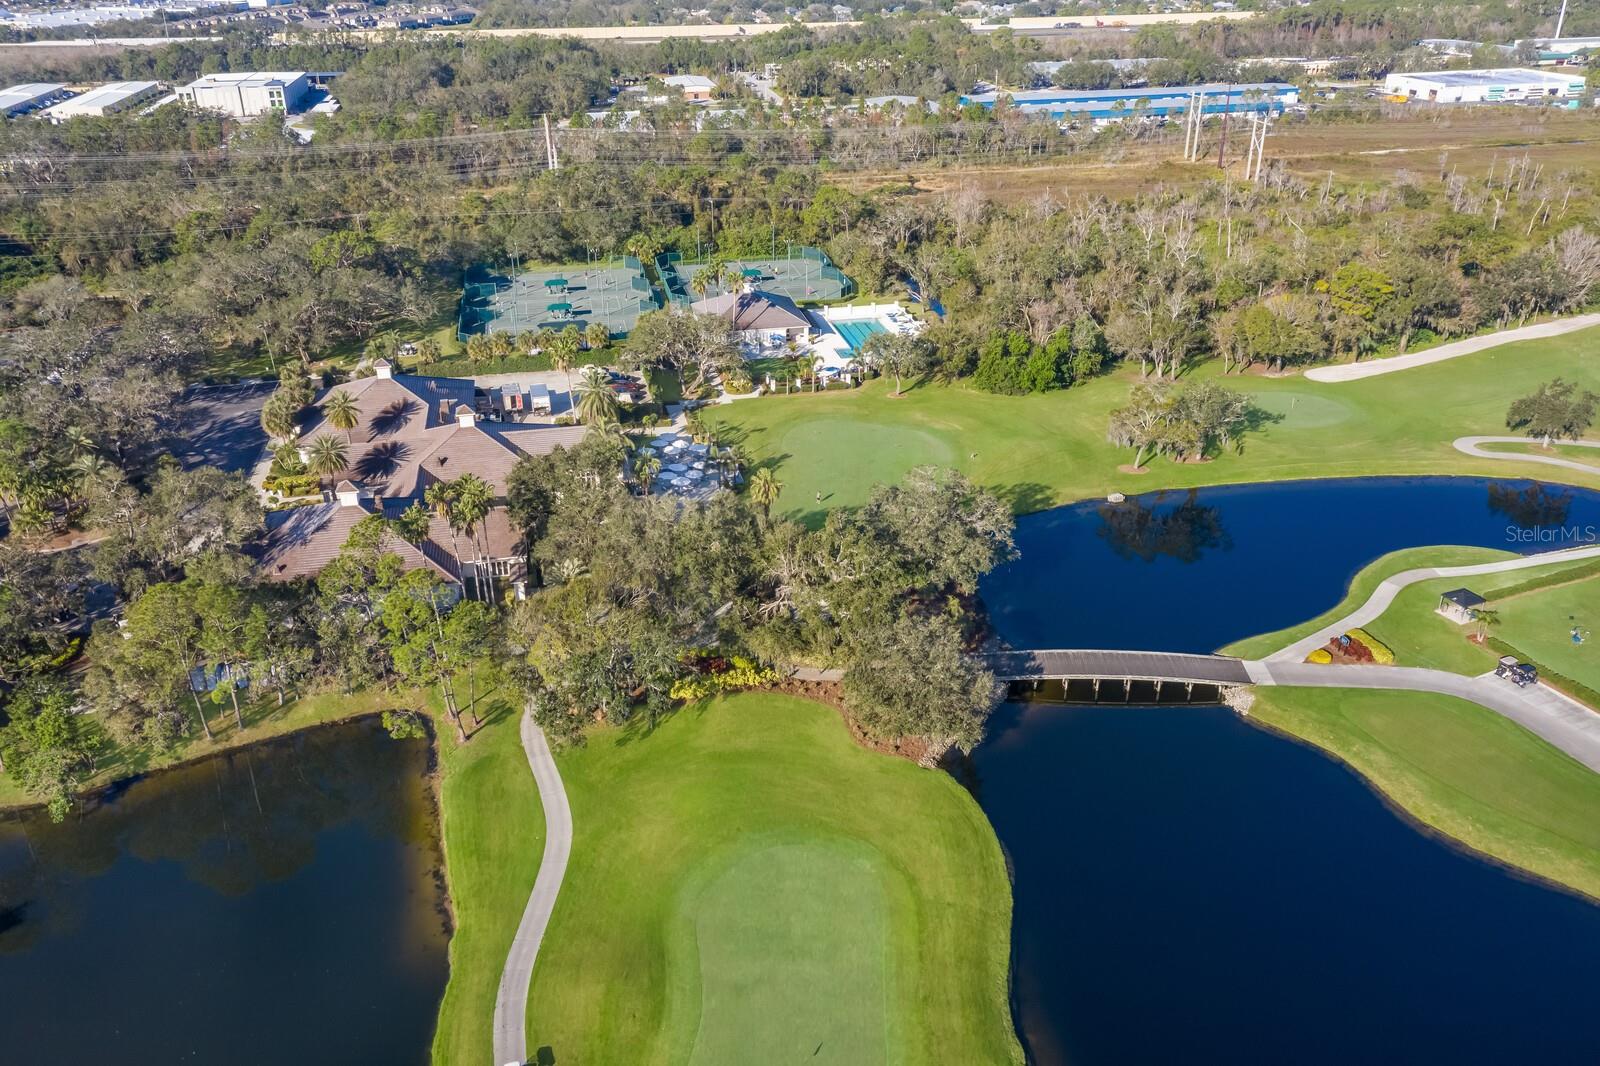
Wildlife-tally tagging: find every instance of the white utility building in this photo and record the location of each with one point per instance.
(1500, 86)
(246, 94)
(105, 100)
(20, 99)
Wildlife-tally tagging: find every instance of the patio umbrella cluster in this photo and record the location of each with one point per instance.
(687, 468)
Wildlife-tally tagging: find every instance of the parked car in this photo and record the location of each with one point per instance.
(1519, 674)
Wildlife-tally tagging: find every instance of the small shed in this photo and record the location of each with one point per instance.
(1460, 605)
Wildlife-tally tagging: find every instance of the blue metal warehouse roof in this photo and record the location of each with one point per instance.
(1086, 100)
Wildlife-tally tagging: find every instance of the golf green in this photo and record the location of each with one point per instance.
(1540, 626)
(747, 885)
(796, 931)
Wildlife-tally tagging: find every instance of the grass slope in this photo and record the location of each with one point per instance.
(1047, 449)
(493, 839)
(1460, 769)
(747, 885)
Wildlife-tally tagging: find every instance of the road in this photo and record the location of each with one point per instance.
(511, 1003)
(1473, 446)
(1455, 349)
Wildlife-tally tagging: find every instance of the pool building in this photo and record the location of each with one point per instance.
(1164, 101)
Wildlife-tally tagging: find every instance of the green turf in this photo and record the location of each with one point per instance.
(1539, 624)
(748, 885)
(1051, 448)
(765, 943)
(1459, 768)
(493, 839)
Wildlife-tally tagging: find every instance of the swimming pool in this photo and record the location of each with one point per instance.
(855, 334)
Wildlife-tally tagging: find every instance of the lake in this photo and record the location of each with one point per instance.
(279, 904)
(1189, 888)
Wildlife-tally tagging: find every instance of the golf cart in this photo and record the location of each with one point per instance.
(1519, 674)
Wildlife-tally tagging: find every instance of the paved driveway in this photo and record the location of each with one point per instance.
(220, 425)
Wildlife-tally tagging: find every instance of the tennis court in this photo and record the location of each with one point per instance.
(614, 292)
(802, 274)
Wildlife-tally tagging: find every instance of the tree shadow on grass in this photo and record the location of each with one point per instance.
(1025, 497)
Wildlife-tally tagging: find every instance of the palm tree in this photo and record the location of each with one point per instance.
(765, 489)
(645, 469)
(597, 403)
(278, 417)
(596, 336)
(1487, 619)
(441, 499)
(474, 500)
(563, 350)
(327, 456)
(642, 247)
(341, 412)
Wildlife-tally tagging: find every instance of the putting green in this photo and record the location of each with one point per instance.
(1302, 409)
(860, 454)
(786, 945)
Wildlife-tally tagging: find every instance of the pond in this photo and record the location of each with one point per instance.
(1189, 888)
(279, 904)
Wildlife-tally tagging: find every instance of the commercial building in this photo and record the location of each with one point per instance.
(1106, 105)
(20, 99)
(1498, 86)
(105, 100)
(246, 94)
(696, 88)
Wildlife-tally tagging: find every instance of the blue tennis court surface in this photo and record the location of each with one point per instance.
(855, 334)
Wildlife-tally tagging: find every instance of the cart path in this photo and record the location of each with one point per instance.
(1560, 721)
(1466, 346)
(511, 1003)
(1473, 446)
(1390, 587)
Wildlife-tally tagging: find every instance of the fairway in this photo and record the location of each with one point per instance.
(1041, 450)
(797, 931)
(749, 886)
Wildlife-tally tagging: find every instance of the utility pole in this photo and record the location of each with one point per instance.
(550, 146)
(1561, 20)
(1227, 109)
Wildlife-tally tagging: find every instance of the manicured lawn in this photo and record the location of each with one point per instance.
(493, 839)
(748, 885)
(1589, 456)
(1460, 769)
(1049, 449)
(1539, 624)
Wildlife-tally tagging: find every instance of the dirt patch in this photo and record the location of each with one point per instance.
(1129, 468)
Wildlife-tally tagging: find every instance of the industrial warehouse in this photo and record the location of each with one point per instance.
(1504, 85)
(1108, 105)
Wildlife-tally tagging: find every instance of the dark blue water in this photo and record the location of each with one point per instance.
(1191, 889)
(1194, 570)
(274, 906)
